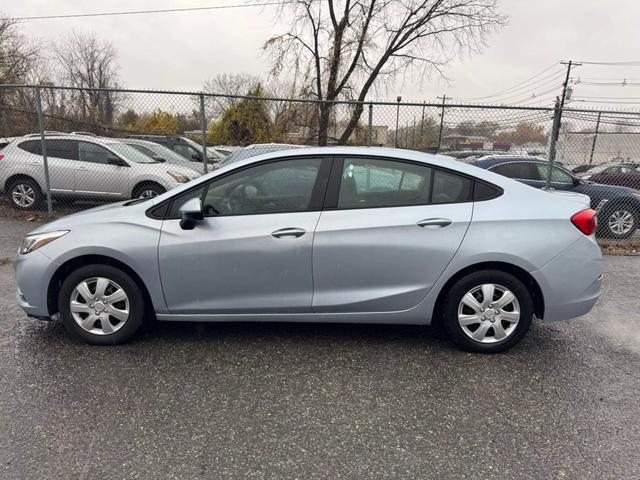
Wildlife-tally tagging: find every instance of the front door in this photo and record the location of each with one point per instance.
(393, 229)
(252, 253)
(96, 176)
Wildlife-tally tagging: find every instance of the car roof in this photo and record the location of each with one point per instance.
(493, 160)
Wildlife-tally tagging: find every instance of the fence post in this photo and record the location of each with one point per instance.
(555, 132)
(370, 126)
(595, 137)
(203, 127)
(43, 146)
(444, 99)
(395, 140)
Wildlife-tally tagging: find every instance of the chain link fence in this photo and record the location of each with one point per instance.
(65, 149)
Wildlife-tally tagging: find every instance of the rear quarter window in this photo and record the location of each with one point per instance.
(31, 146)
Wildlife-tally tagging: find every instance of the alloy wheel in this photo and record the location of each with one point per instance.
(488, 313)
(621, 222)
(99, 306)
(23, 195)
(148, 193)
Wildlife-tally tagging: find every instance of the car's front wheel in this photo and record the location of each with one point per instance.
(488, 311)
(101, 305)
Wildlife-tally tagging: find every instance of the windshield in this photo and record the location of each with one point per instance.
(131, 154)
(166, 153)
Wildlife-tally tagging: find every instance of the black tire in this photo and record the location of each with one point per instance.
(133, 292)
(468, 283)
(148, 190)
(604, 228)
(18, 187)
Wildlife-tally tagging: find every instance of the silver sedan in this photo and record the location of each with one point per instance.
(322, 235)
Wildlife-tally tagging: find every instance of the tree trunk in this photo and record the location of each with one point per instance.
(323, 123)
(353, 123)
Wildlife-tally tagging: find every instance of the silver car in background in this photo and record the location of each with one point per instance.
(83, 167)
(339, 234)
(162, 154)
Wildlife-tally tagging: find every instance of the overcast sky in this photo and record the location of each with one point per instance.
(181, 50)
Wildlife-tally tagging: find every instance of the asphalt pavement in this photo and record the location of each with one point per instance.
(272, 401)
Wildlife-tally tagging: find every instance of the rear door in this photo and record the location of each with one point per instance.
(388, 231)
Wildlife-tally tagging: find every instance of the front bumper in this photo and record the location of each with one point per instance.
(33, 272)
(571, 283)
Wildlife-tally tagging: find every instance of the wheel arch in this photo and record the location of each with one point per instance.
(64, 270)
(518, 272)
(20, 176)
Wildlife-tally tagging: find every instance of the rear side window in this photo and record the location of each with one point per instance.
(517, 170)
(376, 183)
(31, 146)
(66, 149)
(451, 188)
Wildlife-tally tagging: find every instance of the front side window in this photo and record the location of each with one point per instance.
(90, 152)
(275, 187)
(557, 174)
(371, 183)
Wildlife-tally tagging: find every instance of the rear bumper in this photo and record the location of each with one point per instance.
(572, 281)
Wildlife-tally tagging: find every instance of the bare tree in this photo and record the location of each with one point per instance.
(346, 47)
(87, 62)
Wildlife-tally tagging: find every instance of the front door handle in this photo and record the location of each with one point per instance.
(434, 223)
(289, 233)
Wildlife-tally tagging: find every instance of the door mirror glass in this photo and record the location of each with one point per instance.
(191, 213)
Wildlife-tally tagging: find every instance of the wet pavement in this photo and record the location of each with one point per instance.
(323, 401)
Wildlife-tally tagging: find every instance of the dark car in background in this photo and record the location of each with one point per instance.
(618, 207)
(625, 175)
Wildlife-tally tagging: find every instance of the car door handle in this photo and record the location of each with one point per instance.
(83, 169)
(289, 233)
(434, 223)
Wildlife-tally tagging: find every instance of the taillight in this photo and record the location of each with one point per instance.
(586, 221)
(1, 156)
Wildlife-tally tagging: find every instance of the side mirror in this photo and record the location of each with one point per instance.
(117, 162)
(196, 157)
(191, 213)
(576, 181)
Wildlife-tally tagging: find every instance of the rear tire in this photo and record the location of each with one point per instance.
(487, 311)
(101, 305)
(617, 222)
(25, 194)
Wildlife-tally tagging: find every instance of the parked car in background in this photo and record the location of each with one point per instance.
(618, 207)
(184, 146)
(83, 167)
(625, 175)
(582, 169)
(160, 153)
(257, 149)
(339, 234)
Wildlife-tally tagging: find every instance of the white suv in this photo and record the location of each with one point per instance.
(83, 167)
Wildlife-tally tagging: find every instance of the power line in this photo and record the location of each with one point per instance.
(516, 86)
(632, 63)
(145, 12)
(621, 83)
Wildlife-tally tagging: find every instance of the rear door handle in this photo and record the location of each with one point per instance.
(434, 223)
(289, 233)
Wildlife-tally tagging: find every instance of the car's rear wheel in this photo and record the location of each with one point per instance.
(101, 305)
(617, 222)
(488, 311)
(25, 194)
(148, 190)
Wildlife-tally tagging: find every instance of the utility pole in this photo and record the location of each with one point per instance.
(444, 99)
(395, 140)
(558, 113)
(595, 137)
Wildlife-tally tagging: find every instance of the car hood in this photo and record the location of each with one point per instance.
(96, 214)
(601, 188)
(161, 168)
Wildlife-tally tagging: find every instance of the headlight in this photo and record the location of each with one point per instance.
(35, 241)
(178, 177)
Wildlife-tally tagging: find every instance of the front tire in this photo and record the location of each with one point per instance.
(148, 190)
(101, 305)
(487, 311)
